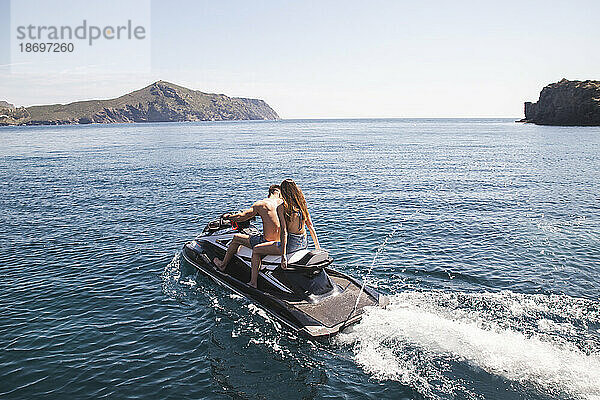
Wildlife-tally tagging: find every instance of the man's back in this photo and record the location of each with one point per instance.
(267, 209)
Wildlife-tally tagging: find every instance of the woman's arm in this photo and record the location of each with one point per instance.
(282, 235)
(313, 234)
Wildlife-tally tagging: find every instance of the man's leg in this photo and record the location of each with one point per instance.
(239, 239)
(258, 252)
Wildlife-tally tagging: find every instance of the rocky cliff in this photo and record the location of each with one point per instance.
(566, 103)
(160, 102)
(9, 115)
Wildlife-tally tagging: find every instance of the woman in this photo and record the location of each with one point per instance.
(293, 216)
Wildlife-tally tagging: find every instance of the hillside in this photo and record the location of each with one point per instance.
(159, 102)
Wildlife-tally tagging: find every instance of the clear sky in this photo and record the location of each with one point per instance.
(331, 59)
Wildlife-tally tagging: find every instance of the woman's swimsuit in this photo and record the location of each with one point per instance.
(296, 241)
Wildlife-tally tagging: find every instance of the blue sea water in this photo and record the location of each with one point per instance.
(484, 233)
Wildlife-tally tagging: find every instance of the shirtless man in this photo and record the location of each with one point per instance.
(267, 210)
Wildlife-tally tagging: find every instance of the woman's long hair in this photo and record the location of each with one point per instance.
(293, 201)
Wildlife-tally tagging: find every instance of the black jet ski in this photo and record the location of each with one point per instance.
(308, 297)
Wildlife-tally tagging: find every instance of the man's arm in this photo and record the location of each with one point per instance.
(245, 214)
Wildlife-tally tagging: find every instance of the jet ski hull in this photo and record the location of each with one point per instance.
(311, 301)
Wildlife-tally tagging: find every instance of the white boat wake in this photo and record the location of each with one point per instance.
(540, 342)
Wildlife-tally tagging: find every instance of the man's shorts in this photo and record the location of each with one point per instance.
(256, 239)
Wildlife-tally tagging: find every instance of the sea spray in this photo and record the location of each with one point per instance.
(377, 253)
(177, 280)
(170, 276)
(426, 339)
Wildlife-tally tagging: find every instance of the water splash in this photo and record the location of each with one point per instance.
(380, 250)
(175, 279)
(427, 339)
(170, 276)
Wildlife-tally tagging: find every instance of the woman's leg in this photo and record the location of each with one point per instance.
(258, 252)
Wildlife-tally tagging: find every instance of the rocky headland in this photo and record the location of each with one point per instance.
(159, 102)
(568, 103)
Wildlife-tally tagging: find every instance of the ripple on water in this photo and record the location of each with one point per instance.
(497, 249)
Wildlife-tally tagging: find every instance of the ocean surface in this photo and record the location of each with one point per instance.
(484, 233)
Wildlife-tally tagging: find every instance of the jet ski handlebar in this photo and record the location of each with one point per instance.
(224, 221)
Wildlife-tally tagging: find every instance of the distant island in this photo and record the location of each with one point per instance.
(159, 102)
(567, 103)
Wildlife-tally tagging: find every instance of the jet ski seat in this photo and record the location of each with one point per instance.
(300, 259)
(306, 258)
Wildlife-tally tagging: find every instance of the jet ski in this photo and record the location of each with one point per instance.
(308, 297)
